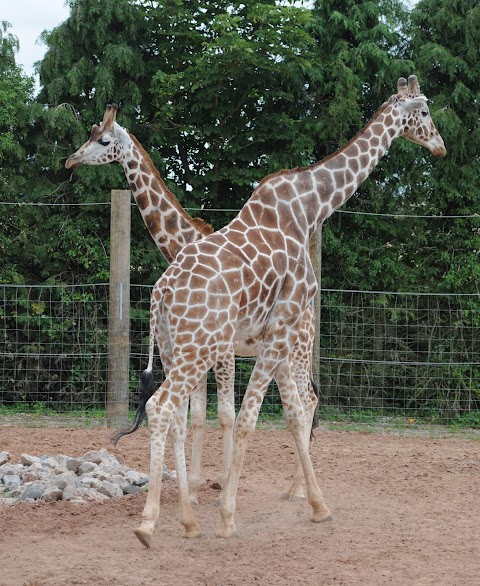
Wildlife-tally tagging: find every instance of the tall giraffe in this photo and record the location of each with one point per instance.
(254, 279)
(171, 228)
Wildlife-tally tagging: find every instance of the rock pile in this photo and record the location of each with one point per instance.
(96, 476)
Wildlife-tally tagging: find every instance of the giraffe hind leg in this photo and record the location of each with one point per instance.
(296, 421)
(161, 410)
(308, 396)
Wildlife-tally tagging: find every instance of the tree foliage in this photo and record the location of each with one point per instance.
(16, 96)
(447, 49)
(229, 93)
(222, 93)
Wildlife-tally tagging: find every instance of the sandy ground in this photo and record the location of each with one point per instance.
(407, 512)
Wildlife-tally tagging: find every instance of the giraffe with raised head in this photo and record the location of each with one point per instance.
(254, 279)
(171, 228)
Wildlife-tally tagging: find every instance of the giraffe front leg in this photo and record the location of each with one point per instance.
(227, 527)
(177, 433)
(225, 377)
(198, 407)
(244, 427)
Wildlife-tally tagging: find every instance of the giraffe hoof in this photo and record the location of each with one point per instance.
(192, 532)
(293, 498)
(322, 517)
(194, 501)
(227, 533)
(144, 537)
(218, 502)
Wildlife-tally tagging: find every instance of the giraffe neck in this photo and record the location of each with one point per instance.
(296, 202)
(167, 222)
(339, 176)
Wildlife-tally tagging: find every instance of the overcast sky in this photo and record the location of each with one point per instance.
(28, 19)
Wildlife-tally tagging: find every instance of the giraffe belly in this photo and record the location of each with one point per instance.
(247, 348)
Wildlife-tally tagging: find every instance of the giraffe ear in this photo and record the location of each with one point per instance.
(414, 104)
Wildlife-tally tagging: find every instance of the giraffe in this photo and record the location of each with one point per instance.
(171, 228)
(254, 279)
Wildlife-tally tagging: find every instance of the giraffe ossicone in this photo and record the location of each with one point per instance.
(254, 279)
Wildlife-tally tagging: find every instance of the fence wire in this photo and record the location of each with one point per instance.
(395, 354)
(410, 354)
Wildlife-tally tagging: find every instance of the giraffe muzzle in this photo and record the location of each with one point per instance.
(439, 152)
(70, 163)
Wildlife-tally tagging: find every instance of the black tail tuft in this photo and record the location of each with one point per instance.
(315, 415)
(147, 388)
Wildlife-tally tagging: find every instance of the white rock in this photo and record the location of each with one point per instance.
(120, 481)
(93, 495)
(101, 474)
(12, 480)
(93, 456)
(73, 492)
(28, 460)
(86, 467)
(73, 464)
(30, 476)
(52, 494)
(8, 469)
(110, 489)
(136, 478)
(4, 457)
(64, 480)
(62, 459)
(90, 482)
(49, 463)
(33, 491)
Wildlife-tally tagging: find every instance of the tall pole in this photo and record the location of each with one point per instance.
(119, 310)
(315, 250)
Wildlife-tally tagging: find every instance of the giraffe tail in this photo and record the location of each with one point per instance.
(315, 414)
(147, 388)
(147, 382)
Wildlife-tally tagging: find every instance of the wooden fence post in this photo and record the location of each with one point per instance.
(316, 258)
(119, 310)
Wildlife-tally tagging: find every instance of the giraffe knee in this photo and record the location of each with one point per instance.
(245, 426)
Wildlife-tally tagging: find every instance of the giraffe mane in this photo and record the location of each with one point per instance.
(284, 172)
(197, 223)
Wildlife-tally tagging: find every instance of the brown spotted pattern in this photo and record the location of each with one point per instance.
(171, 228)
(258, 282)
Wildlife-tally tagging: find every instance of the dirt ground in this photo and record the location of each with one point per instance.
(407, 512)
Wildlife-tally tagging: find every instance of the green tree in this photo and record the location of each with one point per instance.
(16, 97)
(446, 44)
(94, 57)
(362, 51)
(17, 114)
(229, 93)
(215, 92)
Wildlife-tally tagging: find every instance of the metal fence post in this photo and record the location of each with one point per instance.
(119, 310)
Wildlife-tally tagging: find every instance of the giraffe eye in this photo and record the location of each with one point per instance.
(424, 113)
(103, 142)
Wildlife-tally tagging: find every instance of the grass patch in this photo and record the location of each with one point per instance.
(366, 420)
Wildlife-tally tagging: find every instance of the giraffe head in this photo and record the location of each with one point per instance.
(416, 122)
(108, 142)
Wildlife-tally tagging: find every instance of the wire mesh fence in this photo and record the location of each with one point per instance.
(408, 354)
